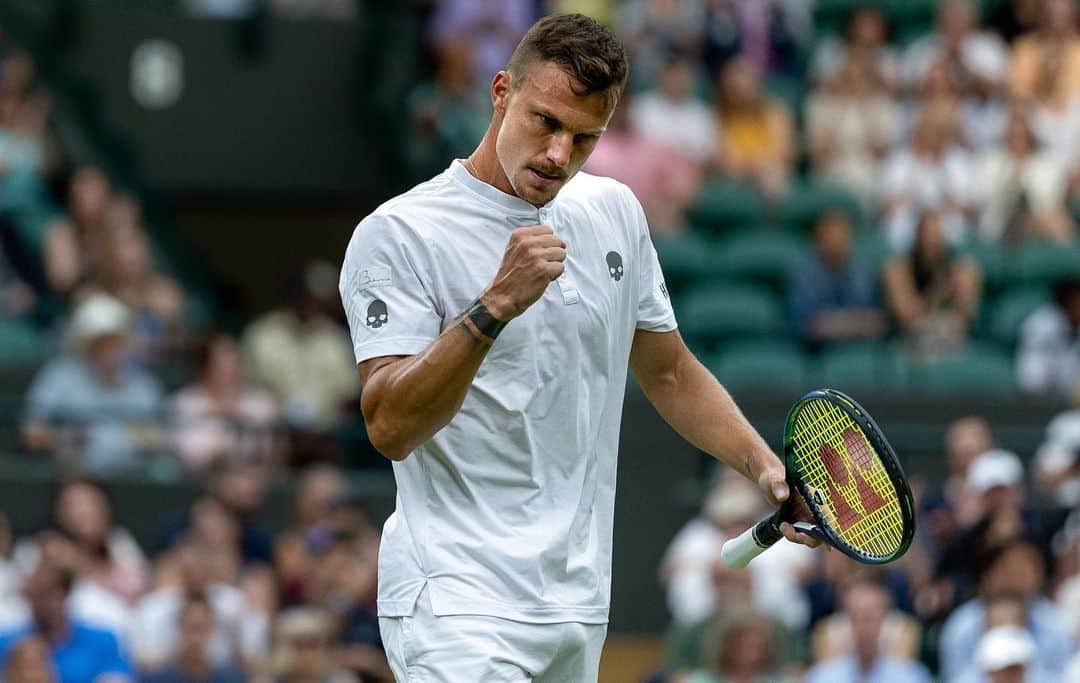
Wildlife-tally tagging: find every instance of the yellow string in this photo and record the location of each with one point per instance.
(877, 533)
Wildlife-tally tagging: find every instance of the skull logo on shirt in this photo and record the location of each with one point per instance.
(377, 315)
(614, 265)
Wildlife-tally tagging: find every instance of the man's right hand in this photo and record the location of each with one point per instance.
(534, 258)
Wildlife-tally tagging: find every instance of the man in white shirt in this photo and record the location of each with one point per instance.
(499, 398)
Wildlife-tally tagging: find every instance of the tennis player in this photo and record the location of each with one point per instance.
(495, 310)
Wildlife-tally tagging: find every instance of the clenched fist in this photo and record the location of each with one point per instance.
(534, 257)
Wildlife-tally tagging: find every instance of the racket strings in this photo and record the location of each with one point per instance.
(833, 455)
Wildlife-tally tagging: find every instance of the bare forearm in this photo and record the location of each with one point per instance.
(408, 401)
(694, 403)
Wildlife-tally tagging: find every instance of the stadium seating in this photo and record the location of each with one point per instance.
(748, 365)
(1010, 310)
(759, 256)
(712, 313)
(860, 367)
(722, 205)
(978, 369)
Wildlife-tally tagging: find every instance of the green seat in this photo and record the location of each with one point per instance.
(710, 313)
(722, 205)
(770, 366)
(1011, 310)
(1043, 263)
(860, 367)
(685, 259)
(763, 256)
(979, 369)
(804, 203)
(21, 345)
(872, 251)
(998, 265)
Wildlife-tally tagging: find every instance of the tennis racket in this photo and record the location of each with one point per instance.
(849, 477)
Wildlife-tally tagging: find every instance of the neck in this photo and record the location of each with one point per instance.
(865, 660)
(53, 630)
(484, 164)
(193, 664)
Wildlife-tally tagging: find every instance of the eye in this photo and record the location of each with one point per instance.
(547, 121)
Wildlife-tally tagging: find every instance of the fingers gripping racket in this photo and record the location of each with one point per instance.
(850, 479)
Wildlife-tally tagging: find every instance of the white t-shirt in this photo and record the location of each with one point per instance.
(508, 510)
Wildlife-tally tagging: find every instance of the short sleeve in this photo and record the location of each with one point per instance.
(386, 290)
(654, 311)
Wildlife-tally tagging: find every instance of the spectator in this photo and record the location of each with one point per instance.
(973, 120)
(866, 40)
(1007, 654)
(965, 440)
(664, 183)
(191, 664)
(772, 33)
(1013, 571)
(222, 417)
(303, 650)
(1055, 40)
(671, 116)
(929, 174)
(1048, 359)
(28, 662)
(240, 488)
(743, 647)
(191, 570)
(832, 295)
(756, 144)
(697, 581)
(493, 27)
(1013, 18)
(851, 122)
(1022, 190)
(74, 248)
(26, 149)
(314, 530)
(650, 29)
(127, 272)
(976, 60)
(89, 408)
(932, 293)
(1055, 114)
(111, 571)
(302, 354)
(449, 113)
(866, 606)
(1057, 462)
(78, 652)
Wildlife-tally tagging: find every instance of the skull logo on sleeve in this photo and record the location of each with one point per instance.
(377, 315)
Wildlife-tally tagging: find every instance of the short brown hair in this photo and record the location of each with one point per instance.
(580, 46)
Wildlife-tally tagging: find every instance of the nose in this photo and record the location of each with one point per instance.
(559, 149)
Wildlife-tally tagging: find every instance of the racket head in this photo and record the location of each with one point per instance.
(849, 476)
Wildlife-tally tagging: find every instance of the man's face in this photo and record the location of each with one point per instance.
(545, 130)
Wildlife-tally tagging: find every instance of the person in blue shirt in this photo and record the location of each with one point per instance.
(830, 294)
(191, 665)
(866, 604)
(79, 653)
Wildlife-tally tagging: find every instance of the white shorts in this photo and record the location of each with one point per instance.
(424, 648)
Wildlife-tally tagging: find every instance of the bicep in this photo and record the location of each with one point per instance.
(655, 357)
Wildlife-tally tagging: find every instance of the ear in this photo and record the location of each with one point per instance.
(501, 86)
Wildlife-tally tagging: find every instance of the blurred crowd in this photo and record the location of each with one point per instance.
(219, 599)
(965, 136)
(988, 593)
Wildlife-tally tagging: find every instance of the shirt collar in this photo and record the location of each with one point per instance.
(491, 194)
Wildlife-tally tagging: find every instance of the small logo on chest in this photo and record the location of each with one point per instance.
(615, 265)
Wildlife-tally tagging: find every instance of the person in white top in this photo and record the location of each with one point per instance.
(494, 312)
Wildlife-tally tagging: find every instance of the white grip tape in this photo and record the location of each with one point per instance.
(737, 552)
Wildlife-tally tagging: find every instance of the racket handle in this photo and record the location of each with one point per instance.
(737, 552)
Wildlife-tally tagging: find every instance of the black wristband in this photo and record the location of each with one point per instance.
(483, 322)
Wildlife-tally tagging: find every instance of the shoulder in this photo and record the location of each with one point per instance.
(412, 211)
(596, 192)
(829, 670)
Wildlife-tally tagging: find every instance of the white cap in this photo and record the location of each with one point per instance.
(1005, 646)
(994, 468)
(97, 316)
(732, 501)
